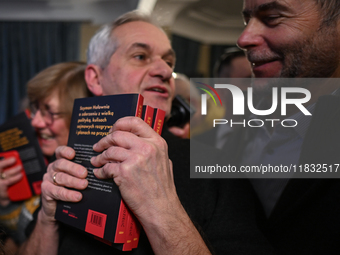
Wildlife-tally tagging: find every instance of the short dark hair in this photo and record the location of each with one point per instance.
(330, 10)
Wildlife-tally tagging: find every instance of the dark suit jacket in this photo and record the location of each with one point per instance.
(306, 218)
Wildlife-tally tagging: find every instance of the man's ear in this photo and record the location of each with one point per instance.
(92, 77)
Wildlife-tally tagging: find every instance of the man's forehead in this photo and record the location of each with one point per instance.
(141, 32)
(144, 46)
(253, 6)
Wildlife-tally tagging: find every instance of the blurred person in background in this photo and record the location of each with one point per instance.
(198, 123)
(233, 63)
(51, 94)
(190, 94)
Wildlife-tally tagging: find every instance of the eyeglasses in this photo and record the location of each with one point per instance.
(46, 114)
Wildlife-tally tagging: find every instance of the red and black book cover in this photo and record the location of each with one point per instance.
(17, 134)
(100, 210)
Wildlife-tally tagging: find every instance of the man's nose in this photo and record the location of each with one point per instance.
(251, 36)
(160, 68)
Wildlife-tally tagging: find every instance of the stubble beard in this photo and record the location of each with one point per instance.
(314, 57)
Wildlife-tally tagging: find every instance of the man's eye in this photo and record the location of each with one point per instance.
(271, 20)
(140, 57)
(170, 63)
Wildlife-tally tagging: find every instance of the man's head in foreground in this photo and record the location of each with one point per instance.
(289, 38)
(132, 55)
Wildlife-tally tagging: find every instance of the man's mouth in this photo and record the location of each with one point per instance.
(157, 90)
(258, 63)
(160, 90)
(266, 67)
(264, 61)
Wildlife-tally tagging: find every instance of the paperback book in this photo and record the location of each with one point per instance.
(101, 212)
(18, 139)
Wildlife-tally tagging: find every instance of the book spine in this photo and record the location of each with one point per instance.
(124, 212)
(139, 108)
(136, 232)
(148, 114)
(159, 116)
(129, 234)
(120, 236)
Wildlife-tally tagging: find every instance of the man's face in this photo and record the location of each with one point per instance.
(285, 38)
(143, 63)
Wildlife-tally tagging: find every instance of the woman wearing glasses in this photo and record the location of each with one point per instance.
(51, 94)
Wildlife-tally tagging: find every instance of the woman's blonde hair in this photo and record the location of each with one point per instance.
(67, 79)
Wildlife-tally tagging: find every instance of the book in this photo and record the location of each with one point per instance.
(129, 233)
(17, 134)
(92, 118)
(147, 114)
(158, 120)
(129, 227)
(136, 231)
(21, 190)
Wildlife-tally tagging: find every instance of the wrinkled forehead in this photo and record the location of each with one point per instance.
(255, 5)
(252, 6)
(291, 8)
(141, 32)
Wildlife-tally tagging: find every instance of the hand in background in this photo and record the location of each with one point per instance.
(183, 132)
(9, 177)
